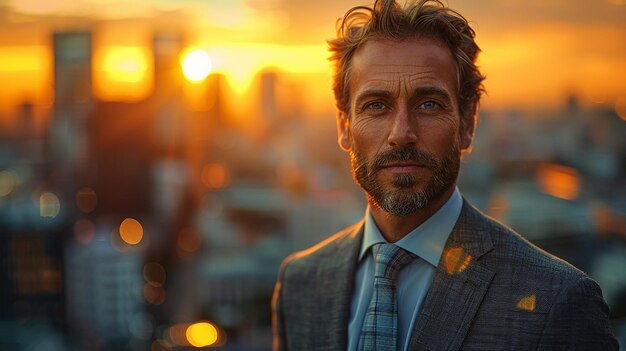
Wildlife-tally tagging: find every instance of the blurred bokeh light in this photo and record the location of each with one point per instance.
(215, 176)
(559, 181)
(201, 334)
(131, 231)
(86, 200)
(123, 73)
(8, 181)
(84, 231)
(154, 274)
(49, 205)
(196, 65)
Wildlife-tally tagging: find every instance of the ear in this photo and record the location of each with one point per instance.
(344, 138)
(468, 125)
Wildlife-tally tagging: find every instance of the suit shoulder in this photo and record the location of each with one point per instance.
(513, 248)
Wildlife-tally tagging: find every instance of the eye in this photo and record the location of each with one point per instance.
(376, 105)
(429, 105)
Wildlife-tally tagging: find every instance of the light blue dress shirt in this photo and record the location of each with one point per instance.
(426, 242)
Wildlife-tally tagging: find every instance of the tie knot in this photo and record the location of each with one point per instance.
(390, 259)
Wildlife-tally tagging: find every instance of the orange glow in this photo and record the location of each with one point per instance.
(293, 178)
(8, 181)
(154, 295)
(196, 65)
(84, 231)
(86, 200)
(22, 58)
(125, 64)
(240, 63)
(123, 73)
(154, 274)
(245, 37)
(202, 334)
(527, 303)
(131, 231)
(608, 221)
(189, 240)
(215, 176)
(49, 205)
(515, 61)
(559, 181)
(29, 69)
(620, 107)
(456, 260)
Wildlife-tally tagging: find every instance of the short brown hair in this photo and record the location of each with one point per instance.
(388, 20)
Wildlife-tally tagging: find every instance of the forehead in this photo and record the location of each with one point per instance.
(411, 62)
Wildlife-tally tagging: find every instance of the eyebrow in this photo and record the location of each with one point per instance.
(372, 93)
(420, 91)
(432, 90)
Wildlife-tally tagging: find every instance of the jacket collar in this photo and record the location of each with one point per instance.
(458, 287)
(457, 290)
(334, 306)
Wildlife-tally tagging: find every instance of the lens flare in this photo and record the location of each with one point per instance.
(456, 260)
(527, 303)
(559, 181)
(131, 231)
(49, 205)
(196, 65)
(202, 334)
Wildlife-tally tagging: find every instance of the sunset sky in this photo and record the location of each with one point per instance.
(535, 52)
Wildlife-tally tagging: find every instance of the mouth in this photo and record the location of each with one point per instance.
(402, 167)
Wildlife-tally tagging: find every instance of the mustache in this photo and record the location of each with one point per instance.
(420, 158)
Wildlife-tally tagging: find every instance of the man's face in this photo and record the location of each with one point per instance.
(404, 130)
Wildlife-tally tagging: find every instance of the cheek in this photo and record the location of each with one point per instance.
(366, 133)
(440, 137)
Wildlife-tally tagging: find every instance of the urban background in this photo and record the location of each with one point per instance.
(159, 159)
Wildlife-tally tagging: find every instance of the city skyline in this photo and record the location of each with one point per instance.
(534, 54)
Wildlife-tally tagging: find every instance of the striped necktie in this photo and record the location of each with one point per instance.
(380, 326)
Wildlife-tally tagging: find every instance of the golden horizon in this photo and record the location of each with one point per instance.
(521, 73)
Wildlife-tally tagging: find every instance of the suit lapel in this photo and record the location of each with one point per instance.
(335, 283)
(458, 287)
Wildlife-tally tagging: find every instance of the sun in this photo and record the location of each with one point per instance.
(196, 65)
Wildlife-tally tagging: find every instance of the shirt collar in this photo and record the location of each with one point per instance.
(428, 239)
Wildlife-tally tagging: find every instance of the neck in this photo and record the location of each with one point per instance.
(394, 228)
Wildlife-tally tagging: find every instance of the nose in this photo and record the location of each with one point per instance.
(403, 129)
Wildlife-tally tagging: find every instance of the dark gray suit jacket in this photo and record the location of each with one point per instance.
(492, 290)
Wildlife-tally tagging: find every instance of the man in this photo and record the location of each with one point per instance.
(424, 270)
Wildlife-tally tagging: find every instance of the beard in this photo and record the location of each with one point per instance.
(401, 198)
